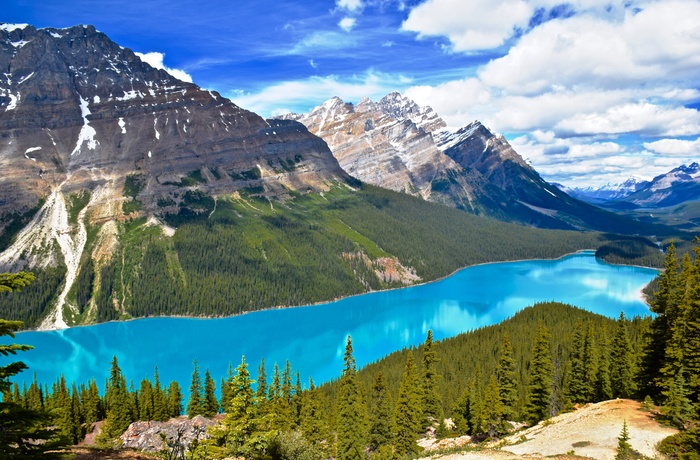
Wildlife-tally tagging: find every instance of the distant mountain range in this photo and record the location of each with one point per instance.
(675, 187)
(398, 145)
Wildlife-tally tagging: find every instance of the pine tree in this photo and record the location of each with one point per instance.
(244, 432)
(160, 403)
(691, 345)
(226, 394)
(677, 408)
(195, 405)
(145, 400)
(119, 405)
(663, 303)
(507, 380)
(621, 362)
(211, 404)
(590, 362)
(493, 409)
(312, 420)
(603, 386)
(539, 390)
(174, 399)
(380, 415)
(431, 405)
(261, 386)
(92, 404)
(350, 410)
(407, 413)
(624, 449)
(578, 385)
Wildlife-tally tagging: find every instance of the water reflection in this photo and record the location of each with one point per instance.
(313, 338)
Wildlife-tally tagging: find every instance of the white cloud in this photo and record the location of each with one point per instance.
(470, 25)
(155, 59)
(313, 64)
(350, 5)
(573, 85)
(322, 41)
(675, 147)
(302, 95)
(347, 23)
(660, 42)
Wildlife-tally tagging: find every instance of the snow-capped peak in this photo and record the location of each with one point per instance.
(12, 27)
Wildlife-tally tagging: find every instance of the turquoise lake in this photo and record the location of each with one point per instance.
(313, 338)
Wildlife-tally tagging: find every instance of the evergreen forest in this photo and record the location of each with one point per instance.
(244, 252)
(544, 360)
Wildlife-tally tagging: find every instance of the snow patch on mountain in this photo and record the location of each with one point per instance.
(87, 132)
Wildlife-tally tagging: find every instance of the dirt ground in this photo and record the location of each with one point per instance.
(591, 431)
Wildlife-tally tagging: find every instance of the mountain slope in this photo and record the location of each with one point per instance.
(398, 145)
(673, 188)
(131, 193)
(608, 192)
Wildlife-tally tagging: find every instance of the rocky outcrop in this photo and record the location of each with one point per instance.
(79, 110)
(177, 433)
(382, 143)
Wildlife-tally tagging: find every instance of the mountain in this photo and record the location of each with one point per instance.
(608, 192)
(130, 193)
(677, 186)
(398, 145)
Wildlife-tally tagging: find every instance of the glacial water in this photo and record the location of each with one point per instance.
(313, 338)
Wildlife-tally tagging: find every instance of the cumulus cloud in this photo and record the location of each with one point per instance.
(571, 85)
(350, 5)
(155, 59)
(675, 147)
(302, 95)
(347, 23)
(470, 25)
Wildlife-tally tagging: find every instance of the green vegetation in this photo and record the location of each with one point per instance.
(76, 203)
(133, 185)
(15, 223)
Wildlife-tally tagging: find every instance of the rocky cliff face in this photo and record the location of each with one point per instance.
(396, 144)
(86, 126)
(382, 143)
(79, 110)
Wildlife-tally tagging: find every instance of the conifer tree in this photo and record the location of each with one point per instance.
(160, 404)
(174, 399)
(244, 432)
(76, 429)
(507, 380)
(493, 409)
(476, 421)
(296, 400)
(195, 405)
(119, 405)
(590, 362)
(539, 390)
(312, 420)
(624, 449)
(691, 342)
(92, 404)
(621, 362)
(663, 303)
(677, 409)
(145, 399)
(578, 387)
(603, 385)
(261, 386)
(351, 418)
(407, 413)
(380, 414)
(431, 405)
(226, 394)
(211, 404)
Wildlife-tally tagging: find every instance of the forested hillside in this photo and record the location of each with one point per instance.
(244, 252)
(543, 360)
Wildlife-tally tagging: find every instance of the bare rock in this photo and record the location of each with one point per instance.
(148, 436)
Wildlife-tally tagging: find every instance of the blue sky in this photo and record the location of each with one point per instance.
(590, 91)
